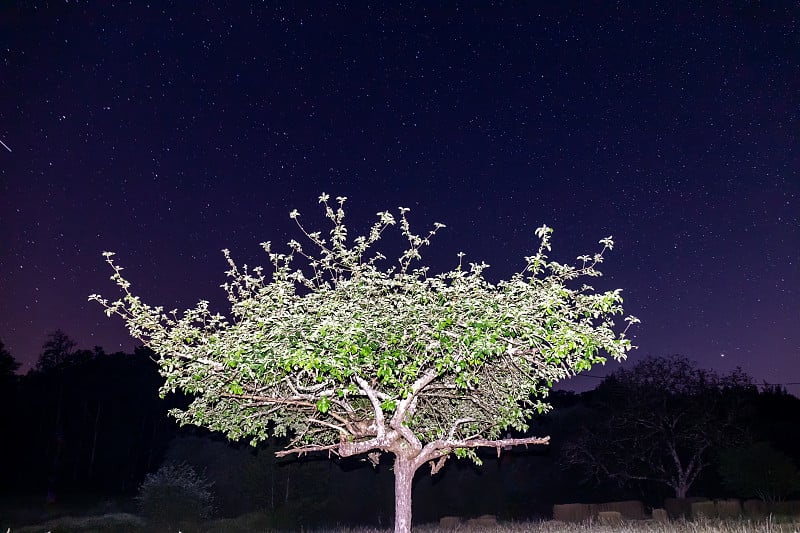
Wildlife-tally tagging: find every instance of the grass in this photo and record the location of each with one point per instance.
(639, 526)
(253, 523)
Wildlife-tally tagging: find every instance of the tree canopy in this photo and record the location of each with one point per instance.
(760, 470)
(8, 365)
(658, 422)
(56, 351)
(348, 358)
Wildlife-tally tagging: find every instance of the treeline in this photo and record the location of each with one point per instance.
(82, 420)
(90, 422)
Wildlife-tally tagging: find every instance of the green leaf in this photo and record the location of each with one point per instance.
(314, 331)
(323, 404)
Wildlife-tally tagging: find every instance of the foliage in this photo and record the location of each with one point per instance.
(8, 365)
(56, 351)
(348, 358)
(175, 493)
(94, 425)
(759, 470)
(658, 422)
(776, 419)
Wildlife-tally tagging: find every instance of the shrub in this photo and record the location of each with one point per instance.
(175, 494)
(759, 470)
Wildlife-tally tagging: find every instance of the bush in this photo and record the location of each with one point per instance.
(175, 494)
(759, 470)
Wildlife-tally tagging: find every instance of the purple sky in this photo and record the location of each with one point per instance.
(168, 132)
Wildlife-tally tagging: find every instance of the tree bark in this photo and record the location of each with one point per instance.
(404, 470)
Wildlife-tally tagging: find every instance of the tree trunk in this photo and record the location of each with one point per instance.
(403, 478)
(288, 473)
(94, 442)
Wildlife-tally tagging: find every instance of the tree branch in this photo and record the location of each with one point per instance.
(438, 448)
(380, 421)
(308, 449)
(348, 449)
(400, 413)
(332, 426)
(437, 465)
(455, 426)
(268, 400)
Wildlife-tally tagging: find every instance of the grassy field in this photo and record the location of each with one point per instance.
(253, 523)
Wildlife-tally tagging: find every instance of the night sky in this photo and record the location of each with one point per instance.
(166, 132)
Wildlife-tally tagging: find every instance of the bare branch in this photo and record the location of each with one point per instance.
(308, 449)
(455, 426)
(437, 448)
(438, 464)
(269, 400)
(328, 424)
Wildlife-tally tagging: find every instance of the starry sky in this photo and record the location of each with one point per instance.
(168, 131)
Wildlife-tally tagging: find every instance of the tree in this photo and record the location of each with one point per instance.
(349, 359)
(9, 406)
(56, 351)
(658, 422)
(759, 470)
(775, 418)
(8, 365)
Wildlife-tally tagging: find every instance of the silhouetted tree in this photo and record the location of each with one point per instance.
(9, 413)
(94, 424)
(759, 470)
(776, 419)
(8, 365)
(354, 360)
(658, 422)
(56, 351)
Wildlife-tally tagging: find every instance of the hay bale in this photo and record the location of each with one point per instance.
(660, 516)
(609, 518)
(729, 508)
(704, 509)
(789, 508)
(629, 509)
(449, 522)
(483, 522)
(572, 512)
(755, 508)
(680, 507)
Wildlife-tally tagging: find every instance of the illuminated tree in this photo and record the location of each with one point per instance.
(347, 358)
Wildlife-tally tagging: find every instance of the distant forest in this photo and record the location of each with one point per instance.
(89, 425)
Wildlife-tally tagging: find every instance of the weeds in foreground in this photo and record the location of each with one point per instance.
(640, 526)
(118, 523)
